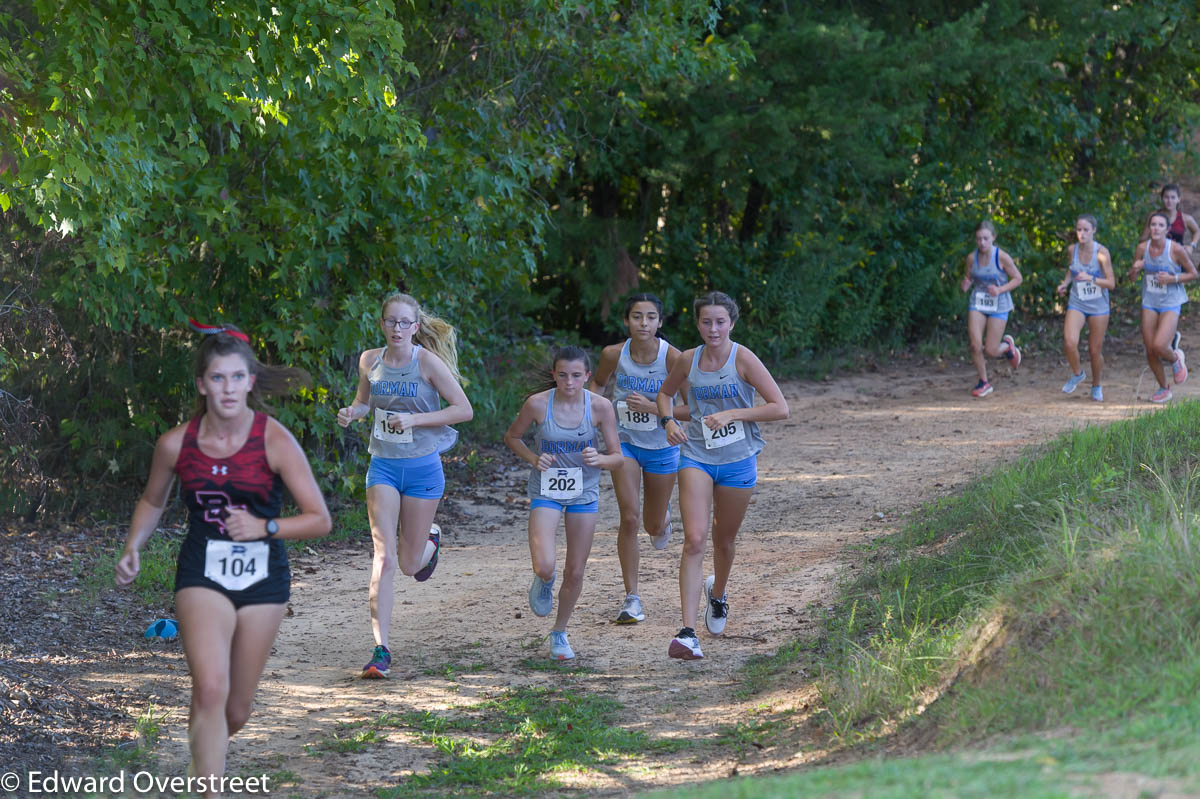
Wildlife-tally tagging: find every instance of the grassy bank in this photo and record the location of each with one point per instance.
(1057, 594)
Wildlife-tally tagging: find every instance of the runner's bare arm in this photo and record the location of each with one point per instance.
(605, 369)
(1184, 261)
(150, 505)
(362, 397)
(533, 410)
(1010, 268)
(682, 411)
(458, 408)
(675, 383)
(966, 281)
(774, 407)
(605, 418)
(1109, 281)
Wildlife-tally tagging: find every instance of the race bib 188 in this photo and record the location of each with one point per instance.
(562, 484)
(236, 565)
(635, 420)
(390, 431)
(724, 435)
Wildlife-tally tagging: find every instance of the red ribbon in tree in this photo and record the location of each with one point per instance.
(212, 330)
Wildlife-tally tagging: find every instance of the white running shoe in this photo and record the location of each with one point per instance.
(631, 611)
(716, 611)
(685, 645)
(541, 595)
(560, 649)
(661, 540)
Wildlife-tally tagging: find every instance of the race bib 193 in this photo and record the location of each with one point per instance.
(635, 420)
(724, 435)
(390, 431)
(985, 301)
(236, 565)
(562, 484)
(1086, 290)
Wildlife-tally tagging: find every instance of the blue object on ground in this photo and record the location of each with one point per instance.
(166, 629)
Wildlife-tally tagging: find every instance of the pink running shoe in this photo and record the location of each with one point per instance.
(1013, 354)
(1179, 368)
(1161, 396)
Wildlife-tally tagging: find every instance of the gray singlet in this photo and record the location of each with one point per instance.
(719, 391)
(403, 390)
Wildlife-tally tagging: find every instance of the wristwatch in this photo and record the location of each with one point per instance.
(663, 421)
(272, 528)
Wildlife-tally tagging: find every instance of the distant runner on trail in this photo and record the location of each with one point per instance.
(1167, 269)
(1182, 228)
(232, 581)
(1088, 280)
(718, 463)
(564, 481)
(401, 387)
(640, 365)
(990, 278)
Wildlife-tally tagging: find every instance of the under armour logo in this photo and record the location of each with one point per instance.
(220, 469)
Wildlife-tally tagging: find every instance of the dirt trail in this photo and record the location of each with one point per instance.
(857, 454)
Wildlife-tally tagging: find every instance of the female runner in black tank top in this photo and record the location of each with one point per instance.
(232, 579)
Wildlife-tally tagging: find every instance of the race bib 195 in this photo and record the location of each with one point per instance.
(236, 565)
(1152, 286)
(562, 484)
(635, 420)
(724, 435)
(389, 429)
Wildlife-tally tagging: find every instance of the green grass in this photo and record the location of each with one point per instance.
(1060, 594)
(518, 742)
(348, 738)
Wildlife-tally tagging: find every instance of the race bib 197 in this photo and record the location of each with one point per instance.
(236, 565)
(1086, 290)
(724, 435)
(985, 301)
(562, 484)
(635, 420)
(390, 431)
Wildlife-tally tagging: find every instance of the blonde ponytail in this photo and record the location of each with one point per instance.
(433, 333)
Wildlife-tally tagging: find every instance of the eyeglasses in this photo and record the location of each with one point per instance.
(402, 324)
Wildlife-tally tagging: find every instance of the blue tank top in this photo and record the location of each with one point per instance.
(640, 429)
(718, 391)
(402, 389)
(1087, 297)
(982, 276)
(568, 481)
(1153, 295)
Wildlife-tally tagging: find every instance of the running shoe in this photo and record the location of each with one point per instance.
(435, 535)
(380, 665)
(631, 611)
(541, 595)
(661, 540)
(1179, 368)
(559, 648)
(982, 389)
(1175, 340)
(1098, 393)
(716, 611)
(1162, 395)
(685, 645)
(1073, 382)
(1013, 354)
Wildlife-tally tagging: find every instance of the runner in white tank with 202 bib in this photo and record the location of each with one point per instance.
(640, 365)
(718, 456)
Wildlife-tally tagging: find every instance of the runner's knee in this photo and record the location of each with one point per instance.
(210, 692)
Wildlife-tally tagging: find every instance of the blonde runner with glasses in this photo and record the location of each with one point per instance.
(401, 388)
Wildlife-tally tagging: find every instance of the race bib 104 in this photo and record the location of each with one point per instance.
(724, 435)
(236, 565)
(387, 427)
(985, 301)
(562, 484)
(635, 420)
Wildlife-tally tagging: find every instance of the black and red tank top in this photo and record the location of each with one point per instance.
(1177, 229)
(213, 485)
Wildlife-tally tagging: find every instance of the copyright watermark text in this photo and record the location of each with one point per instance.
(54, 783)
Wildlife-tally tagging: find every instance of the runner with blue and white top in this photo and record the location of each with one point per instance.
(1167, 269)
(718, 457)
(564, 481)
(401, 387)
(640, 365)
(989, 280)
(1088, 280)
